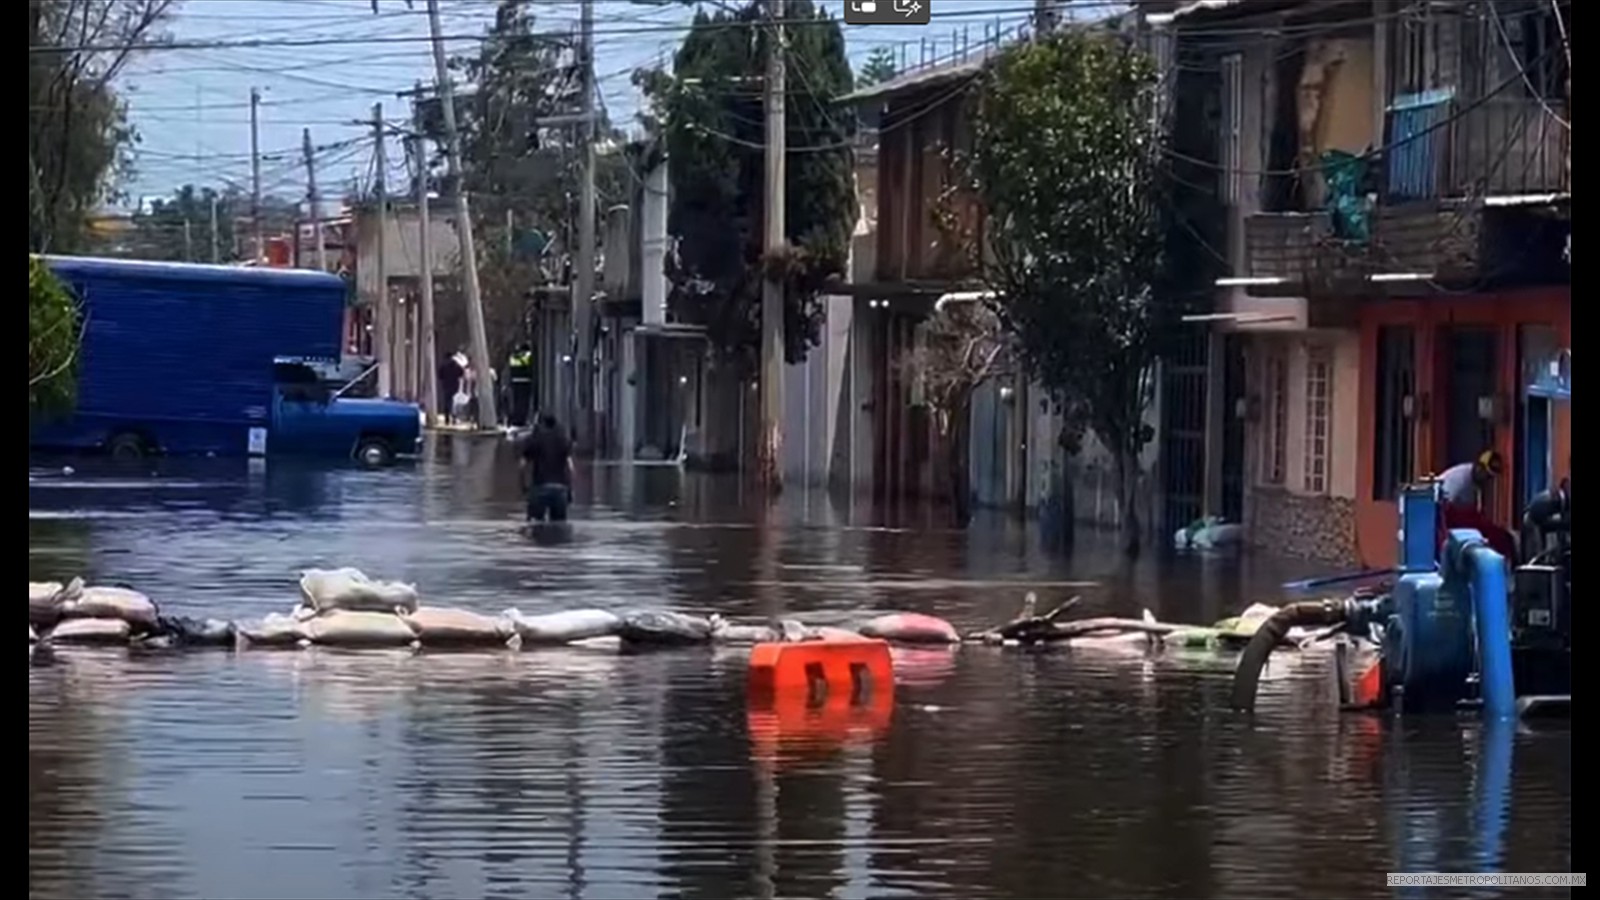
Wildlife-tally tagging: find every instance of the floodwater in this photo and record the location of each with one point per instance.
(583, 773)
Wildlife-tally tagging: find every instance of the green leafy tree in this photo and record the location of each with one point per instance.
(78, 135)
(1067, 159)
(879, 67)
(709, 111)
(521, 171)
(54, 336)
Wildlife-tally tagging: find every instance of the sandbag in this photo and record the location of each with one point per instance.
(725, 632)
(114, 603)
(275, 630)
(352, 591)
(837, 635)
(33, 636)
(191, 632)
(437, 625)
(343, 628)
(92, 631)
(564, 627)
(46, 600)
(664, 628)
(911, 628)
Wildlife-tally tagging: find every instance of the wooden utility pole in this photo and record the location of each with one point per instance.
(427, 354)
(255, 175)
(315, 202)
(385, 314)
(487, 411)
(771, 445)
(583, 293)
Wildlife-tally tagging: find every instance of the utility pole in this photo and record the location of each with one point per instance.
(427, 359)
(487, 410)
(188, 241)
(385, 349)
(255, 175)
(1045, 16)
(216, 247)
(315, 201)
(771, 444)
(583, 295)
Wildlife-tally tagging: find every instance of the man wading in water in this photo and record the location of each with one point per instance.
(547, 472)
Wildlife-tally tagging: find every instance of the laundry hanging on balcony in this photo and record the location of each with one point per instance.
(1346, 176)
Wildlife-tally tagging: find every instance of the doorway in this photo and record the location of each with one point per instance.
(1474, 375)
(1233, 395)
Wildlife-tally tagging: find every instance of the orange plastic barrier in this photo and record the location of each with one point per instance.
(852, 668)
(1369, 687)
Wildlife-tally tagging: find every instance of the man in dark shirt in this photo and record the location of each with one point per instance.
(547, 471)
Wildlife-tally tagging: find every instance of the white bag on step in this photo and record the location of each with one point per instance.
(353, 591)
(565, 627)
(113, 603)
(435, 625)
(275, 630)
(92, 631)
(46, 600)
(342, 628)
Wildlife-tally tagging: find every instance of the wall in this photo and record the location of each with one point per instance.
(1295, 518)
(913, 171)
(402, 254)
(1376, 518)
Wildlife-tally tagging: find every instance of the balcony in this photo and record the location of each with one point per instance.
(1446, 196)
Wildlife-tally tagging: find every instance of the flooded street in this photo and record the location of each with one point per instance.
(587, 774)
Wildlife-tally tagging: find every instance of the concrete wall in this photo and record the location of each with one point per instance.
(402, 254)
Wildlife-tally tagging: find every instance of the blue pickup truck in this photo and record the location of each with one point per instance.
(216, 360)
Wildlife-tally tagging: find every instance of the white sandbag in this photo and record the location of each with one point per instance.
(725, 632)
(911, 628)
(114, 603)
(275, 630)
(353, 591)
(92, 631)
(46, 600)
(343, 628)
(565, 627)
(436, 625)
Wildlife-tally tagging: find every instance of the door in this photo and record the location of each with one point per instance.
(1233, 395)
(1473, 372)
(1183, 431)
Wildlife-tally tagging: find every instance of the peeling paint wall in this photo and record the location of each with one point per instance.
(1334, 101)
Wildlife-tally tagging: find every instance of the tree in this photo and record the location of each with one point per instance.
(521, 172)
(709, 111)
(1066, 158)
(962, 347)
(158, 229)
(878, 68)
(54, 335)
(77, 129)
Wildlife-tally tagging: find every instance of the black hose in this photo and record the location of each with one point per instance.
(1311, 614)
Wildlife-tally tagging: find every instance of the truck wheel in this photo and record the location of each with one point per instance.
(127, 447)
(374, 453)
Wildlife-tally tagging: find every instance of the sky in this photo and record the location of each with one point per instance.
(191, 105)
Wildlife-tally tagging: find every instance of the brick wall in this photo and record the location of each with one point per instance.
(1303, 526)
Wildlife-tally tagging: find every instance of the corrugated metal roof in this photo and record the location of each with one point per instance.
(922, 78)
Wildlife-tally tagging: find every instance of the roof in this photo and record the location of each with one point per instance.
(934, 76)
(92, 267)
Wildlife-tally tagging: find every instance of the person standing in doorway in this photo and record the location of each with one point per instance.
(547, 471)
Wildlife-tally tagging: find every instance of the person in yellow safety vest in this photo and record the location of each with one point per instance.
(519, 372)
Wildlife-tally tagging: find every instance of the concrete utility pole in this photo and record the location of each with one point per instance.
(255, 175)
(771, 446)
(188, 241)
(427, 354)
(583, 294)
(380, 187)
(315, 201)
(487, 411)
(216, 247)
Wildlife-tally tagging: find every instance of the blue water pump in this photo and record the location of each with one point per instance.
(1447, 617)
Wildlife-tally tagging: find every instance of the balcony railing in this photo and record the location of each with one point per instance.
(1443, 148)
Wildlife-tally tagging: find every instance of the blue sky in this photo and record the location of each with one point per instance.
(191, 105)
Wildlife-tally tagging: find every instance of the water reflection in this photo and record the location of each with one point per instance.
(586, 773)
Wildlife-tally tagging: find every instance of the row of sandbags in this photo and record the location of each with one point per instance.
(344, 607)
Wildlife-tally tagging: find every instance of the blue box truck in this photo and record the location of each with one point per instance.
(187, 359)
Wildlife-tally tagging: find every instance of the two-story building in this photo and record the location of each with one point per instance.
(1398, 195)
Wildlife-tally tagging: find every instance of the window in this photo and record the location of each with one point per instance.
(1393, 447)
(1275, 436)
(1319, 417)
(1232, 125)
